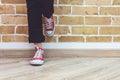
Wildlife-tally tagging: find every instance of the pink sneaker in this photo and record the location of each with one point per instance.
(38, 58)
(48, 24)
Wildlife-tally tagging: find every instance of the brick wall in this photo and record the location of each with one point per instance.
(76, 21)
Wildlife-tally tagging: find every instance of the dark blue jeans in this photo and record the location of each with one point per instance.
(35, 10)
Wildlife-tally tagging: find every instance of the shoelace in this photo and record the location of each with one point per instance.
(48, 23)
(38, 53)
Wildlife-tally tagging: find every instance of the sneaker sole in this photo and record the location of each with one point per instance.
(36, 63)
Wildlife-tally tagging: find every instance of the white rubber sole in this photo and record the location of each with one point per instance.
(36, 62)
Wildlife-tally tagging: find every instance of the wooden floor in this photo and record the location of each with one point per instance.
(77, 68)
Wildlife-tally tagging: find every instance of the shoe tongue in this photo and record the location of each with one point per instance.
(38, 48)
(38, 53)
(49, 20)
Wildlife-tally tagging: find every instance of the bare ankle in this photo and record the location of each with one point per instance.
(38, 45)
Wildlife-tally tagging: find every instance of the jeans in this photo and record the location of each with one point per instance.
(35, 10)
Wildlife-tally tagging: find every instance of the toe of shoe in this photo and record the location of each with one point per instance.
(49, 33)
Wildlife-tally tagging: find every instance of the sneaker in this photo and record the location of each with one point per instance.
(38, 58)
(48, 24)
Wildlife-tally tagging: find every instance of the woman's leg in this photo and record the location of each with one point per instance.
(48, 20)
(48, 8)
(34, 11)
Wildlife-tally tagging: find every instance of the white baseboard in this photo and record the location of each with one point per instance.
(10, 50)
(62, 46)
